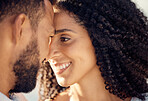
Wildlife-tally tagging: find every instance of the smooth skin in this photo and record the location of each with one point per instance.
(71, 44)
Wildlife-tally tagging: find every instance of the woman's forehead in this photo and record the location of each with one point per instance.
(63, 19)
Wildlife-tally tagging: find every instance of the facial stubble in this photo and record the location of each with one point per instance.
(26, 69)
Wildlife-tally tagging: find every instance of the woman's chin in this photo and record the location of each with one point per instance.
(63, 83)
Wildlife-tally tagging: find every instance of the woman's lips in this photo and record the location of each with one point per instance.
(59, 68)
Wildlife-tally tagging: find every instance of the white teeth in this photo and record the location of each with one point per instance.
(63, 66)
(67, 65)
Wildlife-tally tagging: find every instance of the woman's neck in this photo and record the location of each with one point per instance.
(91, 88)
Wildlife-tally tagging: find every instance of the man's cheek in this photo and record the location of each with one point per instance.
(43, 48)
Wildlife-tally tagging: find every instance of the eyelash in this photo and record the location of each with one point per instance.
(64, 39)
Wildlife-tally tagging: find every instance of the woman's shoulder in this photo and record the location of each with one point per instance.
(62, 96)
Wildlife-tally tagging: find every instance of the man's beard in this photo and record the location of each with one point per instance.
(26, 68)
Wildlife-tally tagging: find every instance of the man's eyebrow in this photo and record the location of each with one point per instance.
(63, 30)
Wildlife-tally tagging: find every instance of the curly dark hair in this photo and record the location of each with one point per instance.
(119, 34)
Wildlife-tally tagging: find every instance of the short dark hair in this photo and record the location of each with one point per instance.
(29, 7)
(119, 34)
(34, 9)
(53, 2)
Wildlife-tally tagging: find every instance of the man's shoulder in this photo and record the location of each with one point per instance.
(18, 97)
(4, 97)
(14, 97)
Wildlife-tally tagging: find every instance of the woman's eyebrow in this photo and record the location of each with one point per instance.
(63, 30)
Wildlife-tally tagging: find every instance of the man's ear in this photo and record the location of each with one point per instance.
(18, 26)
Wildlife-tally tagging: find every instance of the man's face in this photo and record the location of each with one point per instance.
(26, 67)
(44, 32)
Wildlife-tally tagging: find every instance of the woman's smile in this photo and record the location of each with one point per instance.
(59, 68)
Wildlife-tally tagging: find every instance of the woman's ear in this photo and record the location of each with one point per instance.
(18, 25)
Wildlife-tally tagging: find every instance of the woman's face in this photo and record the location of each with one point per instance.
(71, 53)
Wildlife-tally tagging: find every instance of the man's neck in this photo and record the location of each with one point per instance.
(7, 81)
(4, 87)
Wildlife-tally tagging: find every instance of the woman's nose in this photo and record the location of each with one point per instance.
(54, 50)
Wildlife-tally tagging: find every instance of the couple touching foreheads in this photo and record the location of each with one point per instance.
(83, 50)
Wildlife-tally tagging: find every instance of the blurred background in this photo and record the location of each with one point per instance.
(141, 4)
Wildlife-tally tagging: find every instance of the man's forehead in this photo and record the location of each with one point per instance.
(49, 9)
